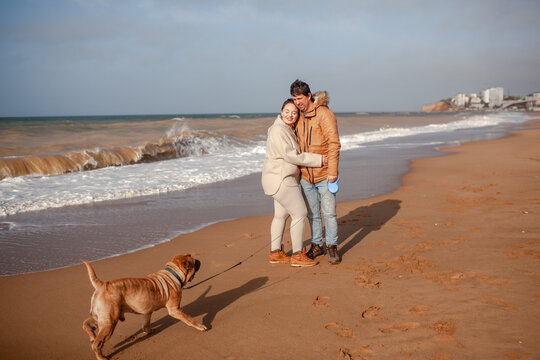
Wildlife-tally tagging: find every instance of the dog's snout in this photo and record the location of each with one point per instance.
(197, 265)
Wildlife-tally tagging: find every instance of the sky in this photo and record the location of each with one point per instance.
(105, 57)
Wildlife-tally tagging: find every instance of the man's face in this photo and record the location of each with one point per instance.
(302, 102)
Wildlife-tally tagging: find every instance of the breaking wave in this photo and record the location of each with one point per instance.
(179, 141)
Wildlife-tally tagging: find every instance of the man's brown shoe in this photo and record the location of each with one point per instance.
(278, 256)
(314, 251)
(333, 255)
(300, 259)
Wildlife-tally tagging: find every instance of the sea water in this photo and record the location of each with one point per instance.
(95, 187)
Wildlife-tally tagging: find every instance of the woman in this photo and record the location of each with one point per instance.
(280, 180)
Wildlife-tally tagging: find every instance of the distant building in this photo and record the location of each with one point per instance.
(485, 96)
(475, 102)
(460, 100)
(493, 97)
(534, 101)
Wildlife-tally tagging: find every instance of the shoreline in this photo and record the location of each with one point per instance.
(444, 267)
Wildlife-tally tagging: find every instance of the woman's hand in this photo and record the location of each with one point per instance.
(324, 160)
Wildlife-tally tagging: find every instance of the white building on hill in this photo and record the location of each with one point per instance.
(460, 100)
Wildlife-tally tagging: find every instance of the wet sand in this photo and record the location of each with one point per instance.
(446, 267)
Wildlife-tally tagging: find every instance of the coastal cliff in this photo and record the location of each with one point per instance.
(436, 107)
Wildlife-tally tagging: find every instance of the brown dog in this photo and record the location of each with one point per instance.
(111, 299)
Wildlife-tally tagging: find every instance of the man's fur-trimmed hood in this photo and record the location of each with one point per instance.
(321, 98)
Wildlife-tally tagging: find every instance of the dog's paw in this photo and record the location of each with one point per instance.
(201, 327)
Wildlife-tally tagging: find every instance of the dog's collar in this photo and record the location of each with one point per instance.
(175, 275)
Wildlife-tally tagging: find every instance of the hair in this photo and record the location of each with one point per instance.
(298, 87)
(288, 101)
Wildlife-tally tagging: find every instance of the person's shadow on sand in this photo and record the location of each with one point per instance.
(210, 306)
(363, 220)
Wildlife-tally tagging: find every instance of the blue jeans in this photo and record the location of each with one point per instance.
(319, 198)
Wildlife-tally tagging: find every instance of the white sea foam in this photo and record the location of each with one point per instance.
(225, 162)
(24, 194)
(355, 141)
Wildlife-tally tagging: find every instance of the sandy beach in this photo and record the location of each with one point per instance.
(446, 267)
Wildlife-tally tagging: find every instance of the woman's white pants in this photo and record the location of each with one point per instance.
(288, 201)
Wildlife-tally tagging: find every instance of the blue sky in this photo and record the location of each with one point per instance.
(96, 57)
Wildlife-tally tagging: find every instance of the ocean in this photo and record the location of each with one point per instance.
(99, 186)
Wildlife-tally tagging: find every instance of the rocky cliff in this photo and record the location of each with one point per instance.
(438, 106)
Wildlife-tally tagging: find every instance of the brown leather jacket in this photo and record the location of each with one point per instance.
(317, 133)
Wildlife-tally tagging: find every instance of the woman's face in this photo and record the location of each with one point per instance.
(289, 114)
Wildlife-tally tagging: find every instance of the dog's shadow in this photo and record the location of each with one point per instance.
(209, 305)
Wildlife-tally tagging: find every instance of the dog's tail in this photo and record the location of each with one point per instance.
(96, 283)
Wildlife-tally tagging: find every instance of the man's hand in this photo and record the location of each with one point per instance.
(331, 178)
(324, 160)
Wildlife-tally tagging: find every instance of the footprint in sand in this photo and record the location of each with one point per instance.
(478, 188)
(406, 326)
(350, 354)
(417, 311)
(321, 301)
(524, 252)
(486, 279)
(445, 330)
(444, 327)
(402, 247)
(518, 355)
(453, 242)
(522, 245)
(367, 283)
(340, 330)
(252, 236)
(446, 279)
(424, 246)
(494, 301)
(516, 254)
(411, 230)
(372, 311)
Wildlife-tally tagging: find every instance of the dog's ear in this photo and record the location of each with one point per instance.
(187, 265)
(187, 262)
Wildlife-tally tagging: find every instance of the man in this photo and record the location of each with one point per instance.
(317, 132)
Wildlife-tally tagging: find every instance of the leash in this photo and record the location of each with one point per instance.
(224, 271)
(235, 265)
